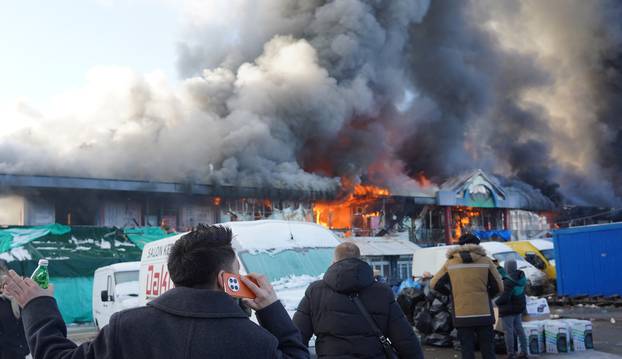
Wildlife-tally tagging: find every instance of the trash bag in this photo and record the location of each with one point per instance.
(438, 306)
(423, 322)
(442, 323)
(404, 300)
(418, 295)
(500, 343)
(439, 340)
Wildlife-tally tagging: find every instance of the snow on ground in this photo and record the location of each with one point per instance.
(275, 235)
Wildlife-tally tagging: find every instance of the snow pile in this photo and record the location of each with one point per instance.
(275, 236)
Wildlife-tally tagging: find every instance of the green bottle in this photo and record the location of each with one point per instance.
(41, 275)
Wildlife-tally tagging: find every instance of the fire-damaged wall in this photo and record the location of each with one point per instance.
(25, 210)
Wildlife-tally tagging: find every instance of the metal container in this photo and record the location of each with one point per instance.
(588, 260)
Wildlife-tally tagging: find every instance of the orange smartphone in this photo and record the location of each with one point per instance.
(236, 288)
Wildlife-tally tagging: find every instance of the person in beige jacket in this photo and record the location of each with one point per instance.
(472, 280)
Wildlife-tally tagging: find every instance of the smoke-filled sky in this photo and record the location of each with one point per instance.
(298, 93)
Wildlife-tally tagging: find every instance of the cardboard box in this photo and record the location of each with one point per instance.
(581, 334)
(535, 337)
(557, 336)
(537, 306)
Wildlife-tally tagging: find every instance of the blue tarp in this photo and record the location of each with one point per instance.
(505, 235)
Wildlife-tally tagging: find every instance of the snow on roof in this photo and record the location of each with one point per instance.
(123, 267)
(277, 235)
(541, 244)
(383, 246)
(496, 247)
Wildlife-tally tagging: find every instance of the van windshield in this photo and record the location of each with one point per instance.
(548, 253)
(125, 277)
(504, 256)
(292, 262)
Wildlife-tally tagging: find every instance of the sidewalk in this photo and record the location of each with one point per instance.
(436, 353)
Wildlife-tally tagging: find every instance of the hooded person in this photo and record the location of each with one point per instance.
(342, 331)
(512, 303)
(13, 343)
(472, 280)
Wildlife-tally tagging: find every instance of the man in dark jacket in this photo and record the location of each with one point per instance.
(12, 338)
(472, 280)
(196, 319)
(512, 303)
(342, 332)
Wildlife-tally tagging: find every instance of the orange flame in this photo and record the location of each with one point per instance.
(339, 214)
(463, 218)
(217, 201)
(423, 180)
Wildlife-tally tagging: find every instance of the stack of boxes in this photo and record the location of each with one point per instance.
(558, 336)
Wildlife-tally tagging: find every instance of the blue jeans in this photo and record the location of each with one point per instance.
(513, 326)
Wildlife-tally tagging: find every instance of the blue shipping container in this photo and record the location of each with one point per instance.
(588, 260)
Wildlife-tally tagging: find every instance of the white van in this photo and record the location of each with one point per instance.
(432, 259)
(290, 254)
(115, 288)
(496, 250)
(429, 259)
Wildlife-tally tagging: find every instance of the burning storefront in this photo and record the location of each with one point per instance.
(475, 202)
(40, 200)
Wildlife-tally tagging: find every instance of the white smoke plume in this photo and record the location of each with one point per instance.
(298, 93)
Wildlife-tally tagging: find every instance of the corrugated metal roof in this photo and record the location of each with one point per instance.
(383, 246)
(227, 191)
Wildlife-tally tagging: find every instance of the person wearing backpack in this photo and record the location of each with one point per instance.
(350, 313)
(512, 303)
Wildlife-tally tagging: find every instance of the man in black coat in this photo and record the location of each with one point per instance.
(342, 332)
(196, 319)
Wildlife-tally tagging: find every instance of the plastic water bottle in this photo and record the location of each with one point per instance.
(41, 275)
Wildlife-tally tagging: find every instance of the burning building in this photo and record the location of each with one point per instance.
(475, 202)
(346, 103)
(39, 200)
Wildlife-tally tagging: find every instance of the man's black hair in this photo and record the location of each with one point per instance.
(197, 257)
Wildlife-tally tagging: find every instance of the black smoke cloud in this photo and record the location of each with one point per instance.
(298, 93)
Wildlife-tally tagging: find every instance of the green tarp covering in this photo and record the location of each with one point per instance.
(14, 237)
(74, 253)
(74, 298)
(143, 235)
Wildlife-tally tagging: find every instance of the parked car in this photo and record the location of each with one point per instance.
(537, 281)
(537, 252)
(432, 259)
(115, 288)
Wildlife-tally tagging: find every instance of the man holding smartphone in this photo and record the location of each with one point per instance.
(195, 319)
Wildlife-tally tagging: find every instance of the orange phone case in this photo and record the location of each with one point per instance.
(236, 288)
